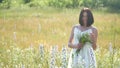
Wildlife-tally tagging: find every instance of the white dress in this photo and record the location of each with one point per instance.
(86, 57)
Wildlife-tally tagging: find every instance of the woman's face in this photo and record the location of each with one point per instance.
(85, 18)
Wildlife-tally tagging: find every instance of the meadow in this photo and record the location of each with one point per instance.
(30, 38)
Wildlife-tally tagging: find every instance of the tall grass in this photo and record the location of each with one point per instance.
(31, 57)
(22, 31)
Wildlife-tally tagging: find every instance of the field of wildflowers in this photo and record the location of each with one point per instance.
(36, 38)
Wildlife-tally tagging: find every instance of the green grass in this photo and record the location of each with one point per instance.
(52, 26)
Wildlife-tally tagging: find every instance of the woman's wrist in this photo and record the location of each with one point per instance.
(93, 42)
(80, 45)
(75, 45)
(72, 45)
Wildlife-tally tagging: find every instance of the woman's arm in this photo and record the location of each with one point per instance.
(94, 36)
(71, 39)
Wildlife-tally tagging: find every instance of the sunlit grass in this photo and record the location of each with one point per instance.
(25, 27)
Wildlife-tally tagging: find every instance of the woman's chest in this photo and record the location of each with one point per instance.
(78, 33)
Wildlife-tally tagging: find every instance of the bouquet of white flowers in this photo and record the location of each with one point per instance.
(83, 39)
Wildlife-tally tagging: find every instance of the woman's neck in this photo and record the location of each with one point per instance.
(85, 27)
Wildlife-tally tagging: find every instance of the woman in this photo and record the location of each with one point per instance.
(86, 57)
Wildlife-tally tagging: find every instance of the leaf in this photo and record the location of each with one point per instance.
(83, 39)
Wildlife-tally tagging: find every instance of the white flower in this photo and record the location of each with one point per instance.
(41, 49)
(64, 57)
(110, 48)
(52, 58)
(23, 66)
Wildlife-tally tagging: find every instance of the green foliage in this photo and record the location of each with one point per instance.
(5, 3)
(85, 38)
(37, 3)
(114, 4)
(1, 1)
(26, 1)
(61, 3)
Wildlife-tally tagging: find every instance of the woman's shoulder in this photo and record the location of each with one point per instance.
(76, 25)
(94, 28)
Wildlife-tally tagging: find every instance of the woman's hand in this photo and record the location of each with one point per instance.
(79, 45)
(92, 37)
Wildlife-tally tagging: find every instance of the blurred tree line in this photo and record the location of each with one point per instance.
(114, 4)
